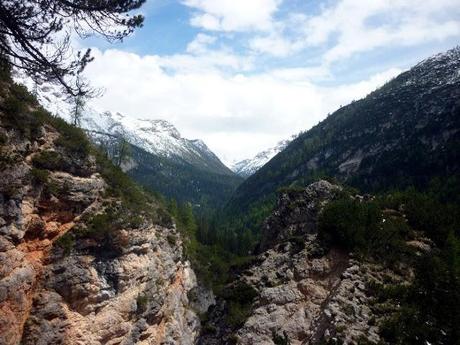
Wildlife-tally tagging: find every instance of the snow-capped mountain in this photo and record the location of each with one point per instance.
(158, 137)
(161, 159)
(247, 167)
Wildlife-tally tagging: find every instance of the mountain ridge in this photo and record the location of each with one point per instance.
(157, 136)
(160, 158)
(403, 134)
(248, 167)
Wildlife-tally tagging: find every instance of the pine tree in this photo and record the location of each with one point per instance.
(123, 151)
(173, 209)
(35, 36)
(77, 109)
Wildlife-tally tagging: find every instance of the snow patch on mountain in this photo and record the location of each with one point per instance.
(158, 137)
(247, 167)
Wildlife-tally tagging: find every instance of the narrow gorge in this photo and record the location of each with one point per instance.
(115, 231)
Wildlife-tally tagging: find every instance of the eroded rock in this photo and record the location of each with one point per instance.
(56, 289)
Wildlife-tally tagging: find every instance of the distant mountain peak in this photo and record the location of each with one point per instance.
(158, 126)
(155, 136)
(199, 143)
(247, 167)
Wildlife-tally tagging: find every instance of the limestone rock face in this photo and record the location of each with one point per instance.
(305, 293)
(296, 213)
(134, 291)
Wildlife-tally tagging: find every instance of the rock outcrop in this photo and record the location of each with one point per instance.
(304, 293)
(296, 213)
(58, 284)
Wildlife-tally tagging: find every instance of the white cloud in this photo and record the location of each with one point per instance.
(300, 74)
(236, 115)
(344, 94)
(383, 23)
(349, 27)
(284, 38)
(217, 60)
(233, 15)
(200, 44)
(240, 103)
(200, 57)
(275, 44)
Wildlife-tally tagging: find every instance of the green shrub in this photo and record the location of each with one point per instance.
(388, 241)
(298, 243)
(349, 310)
(3, 139)
(19, 116)
(16, 107)
(239, 298)
(436, 219)
(66, 242)
(429, 307)
(50, 160)
(171, 239)
(241, 292)
(209, 329)
(39, 176)
(142, 302)
(72, 139)
(100, 225)
(162, 217)
(7, 159)
(51, 188)
(362, 227)
(431, 212)
(121, 186)
(280, 339)
(21, 93)
(347, 222)
(233, 339)
(13, 106)
(372, 321)
(340, 328)
(237, 314)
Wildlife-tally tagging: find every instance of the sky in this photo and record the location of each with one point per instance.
(244, 74)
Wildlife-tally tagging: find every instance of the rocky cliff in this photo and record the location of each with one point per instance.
(300, 291)
(85, 256)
